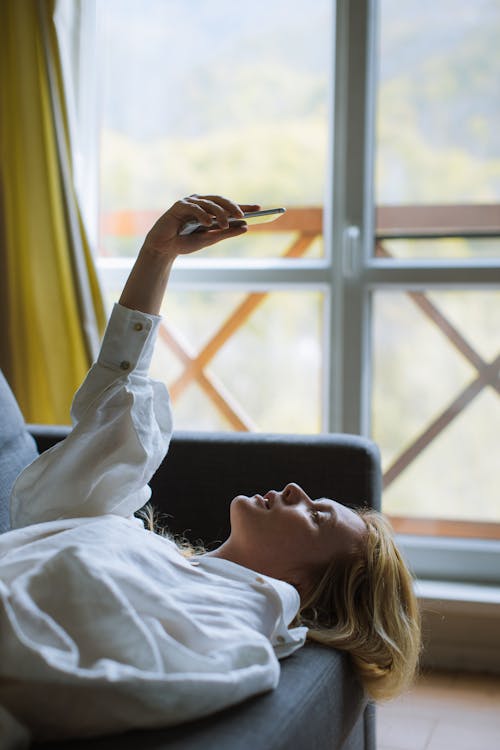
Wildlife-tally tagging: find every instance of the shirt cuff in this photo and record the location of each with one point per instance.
(129, 340)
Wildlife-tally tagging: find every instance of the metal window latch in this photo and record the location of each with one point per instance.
(350, 251)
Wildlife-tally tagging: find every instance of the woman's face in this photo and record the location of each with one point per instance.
(283, 533)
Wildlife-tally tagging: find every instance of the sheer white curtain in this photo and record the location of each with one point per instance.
(76, 31)
(74, 93)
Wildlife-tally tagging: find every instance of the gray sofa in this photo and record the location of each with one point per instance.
(319, 704)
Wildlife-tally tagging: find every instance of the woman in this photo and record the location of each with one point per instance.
(107, 626)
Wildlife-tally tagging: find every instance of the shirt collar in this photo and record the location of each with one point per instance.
(287, 593)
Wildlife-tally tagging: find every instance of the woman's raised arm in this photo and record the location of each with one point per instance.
(121, 418)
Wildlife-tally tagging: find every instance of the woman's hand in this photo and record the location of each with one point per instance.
(149, 276)
(164, 237)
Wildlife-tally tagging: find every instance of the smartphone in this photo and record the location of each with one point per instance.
(253, 217)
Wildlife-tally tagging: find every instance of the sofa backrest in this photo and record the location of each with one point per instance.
(17, 448)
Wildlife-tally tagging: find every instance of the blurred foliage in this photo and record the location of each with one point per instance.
(438, 139)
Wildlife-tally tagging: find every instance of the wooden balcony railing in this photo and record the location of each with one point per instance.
(306, 223)
(424, 222)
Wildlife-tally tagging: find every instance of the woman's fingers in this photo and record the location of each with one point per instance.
(218, 211)
(191, 208)
(233, 208)
(211, 211)
(249, 207)
(221, 208)
(199, 240)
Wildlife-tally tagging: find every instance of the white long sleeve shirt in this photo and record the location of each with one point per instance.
(105, 626)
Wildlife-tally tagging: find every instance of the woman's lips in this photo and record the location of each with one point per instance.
(264, 501)
(270, 498)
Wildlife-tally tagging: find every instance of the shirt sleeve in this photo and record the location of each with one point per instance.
(122, 424)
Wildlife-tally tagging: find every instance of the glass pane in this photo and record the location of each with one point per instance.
(205, 97)
(265, 374)
(273, 364)
(438, 139)
(436, 406)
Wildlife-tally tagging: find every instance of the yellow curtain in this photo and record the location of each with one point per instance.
(50, 303)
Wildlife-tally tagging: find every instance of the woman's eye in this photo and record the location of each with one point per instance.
(315, 516)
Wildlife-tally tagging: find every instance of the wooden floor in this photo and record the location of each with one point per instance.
(443, 712)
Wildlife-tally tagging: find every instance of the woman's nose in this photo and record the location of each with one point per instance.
(293, 494)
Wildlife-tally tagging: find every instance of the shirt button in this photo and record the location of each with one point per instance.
(259, 579)
(194, 562)
(280, 639)
(138, 326)
(124, 365)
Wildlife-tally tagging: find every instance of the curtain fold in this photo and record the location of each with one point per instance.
(50, 303)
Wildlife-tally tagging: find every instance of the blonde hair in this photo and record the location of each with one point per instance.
(364, 605)
(154, 521)
(367, 607)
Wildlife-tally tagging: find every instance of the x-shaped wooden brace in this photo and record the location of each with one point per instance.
(487, 374)
(195, 366)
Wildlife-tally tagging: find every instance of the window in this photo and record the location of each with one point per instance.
(380, 322)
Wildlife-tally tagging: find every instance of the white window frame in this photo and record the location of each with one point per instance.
(349, 274)
(353, 234)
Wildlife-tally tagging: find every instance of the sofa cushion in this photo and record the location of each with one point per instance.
(318, 704)
(17, 448)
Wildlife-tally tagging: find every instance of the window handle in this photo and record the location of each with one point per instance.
(350, 251)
